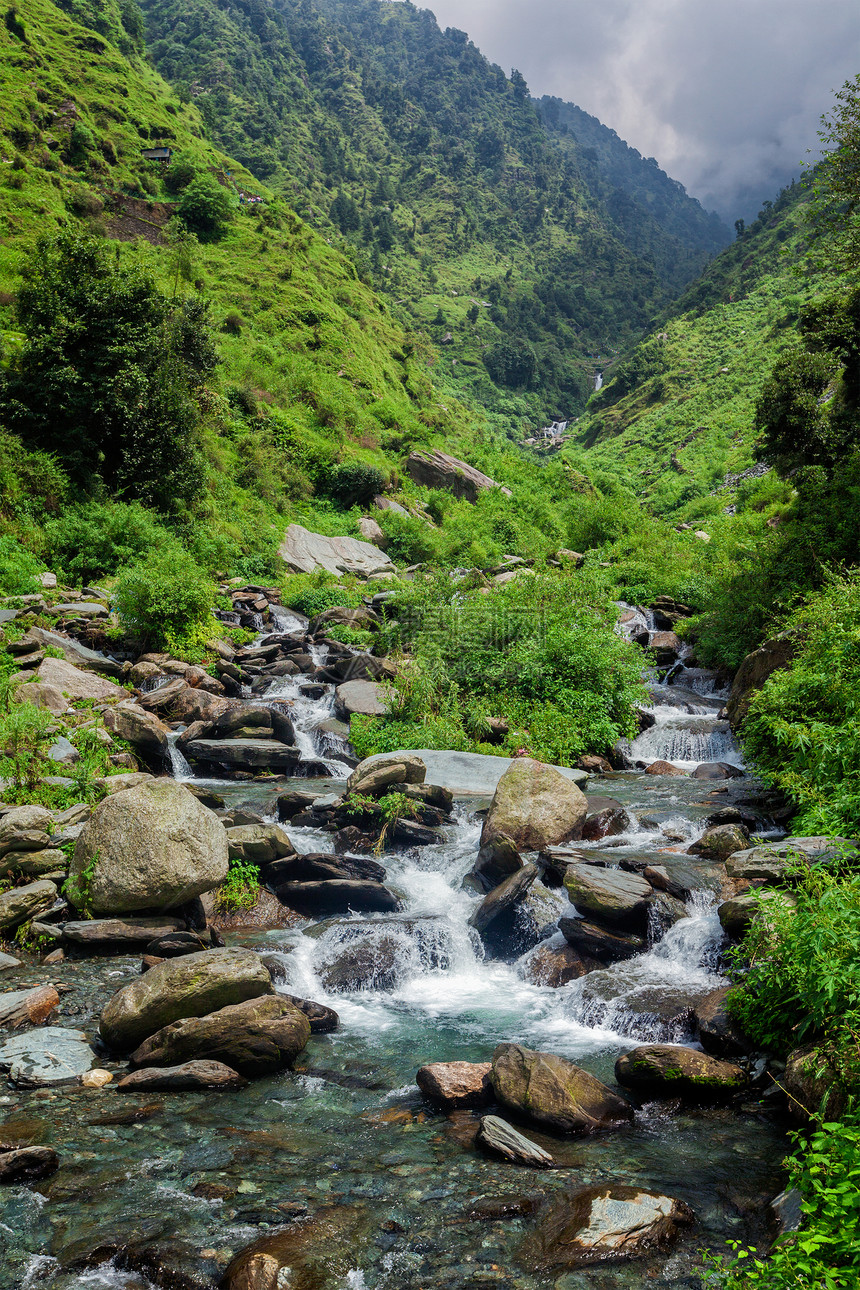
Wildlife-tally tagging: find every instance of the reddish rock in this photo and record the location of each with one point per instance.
(456, 1084)
(663, 768)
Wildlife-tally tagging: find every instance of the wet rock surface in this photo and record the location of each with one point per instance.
(551, 1091)
(603, 1223)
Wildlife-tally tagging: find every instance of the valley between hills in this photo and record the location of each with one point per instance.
(429, 675)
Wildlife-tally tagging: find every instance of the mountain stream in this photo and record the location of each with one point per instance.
(396, 1196)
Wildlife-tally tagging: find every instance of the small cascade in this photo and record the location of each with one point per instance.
(180, 768)
(318, 747)
(648, 998)
(685, 740)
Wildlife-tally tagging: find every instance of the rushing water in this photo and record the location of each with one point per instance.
(197, 1176)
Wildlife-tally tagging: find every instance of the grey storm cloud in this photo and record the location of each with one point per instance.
(726, 94)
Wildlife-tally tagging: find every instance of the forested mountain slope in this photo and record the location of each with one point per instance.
(439, 176)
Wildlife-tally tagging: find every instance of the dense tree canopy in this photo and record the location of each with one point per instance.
(107, 375)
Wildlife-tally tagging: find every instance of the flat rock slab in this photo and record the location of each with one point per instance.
(502, 1139)
(117, 933)
(303, 551)
(619, 897)
(596, 1224)
(186, 1078)
(267, 753)
(27, 1007)
(337, 896)
(75, 683)
(468, 774)
(8, 961)
(46, 1057)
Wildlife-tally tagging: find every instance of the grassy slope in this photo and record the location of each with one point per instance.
(676, 415)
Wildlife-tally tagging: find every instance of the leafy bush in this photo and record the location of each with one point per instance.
(354, 483)
(825, 1252)
(166, 600)
(241, 889)
(802, 732)
(99, 538)
(205, 206)
(540, 652)
(19, 568)
(312, 593)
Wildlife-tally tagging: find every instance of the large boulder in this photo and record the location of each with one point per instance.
(553, 1092)
(191, 986)
(303, 551)
(618, 897)
(49, 1055)
(74, 683)
(245, 754)
(150, 847)
(671, 1070)
(773, 655)
(360, 698)
(601, 943)
(437, 469)
(609, 1221)
(535, 807)
(256, 1037)
(721, 841)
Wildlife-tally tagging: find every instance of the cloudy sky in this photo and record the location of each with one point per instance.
(726, 94)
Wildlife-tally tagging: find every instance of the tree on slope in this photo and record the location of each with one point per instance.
(108, 373)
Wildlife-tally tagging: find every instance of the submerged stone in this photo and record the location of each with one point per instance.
(48, 1056)
(597, 1224)
(500, 1138)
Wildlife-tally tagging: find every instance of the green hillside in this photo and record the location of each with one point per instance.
(434, 171)
(675, 415)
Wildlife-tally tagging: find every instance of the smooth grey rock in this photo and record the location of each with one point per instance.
(81, 609)
(303, 551)
(612, 894)
(437, 469)
(63, 750)
(52, 1055)
(374, 777)
(78, 654)
(7, 961)
(469, 774)
(499, 1137)
(75, 683)
(360, 698)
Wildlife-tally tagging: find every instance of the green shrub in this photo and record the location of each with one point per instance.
(166, 600)
(354, 483)
(241, 889)
(98, 538)
(312, 593)
(19, 568)
(205, 206)
(802, 732)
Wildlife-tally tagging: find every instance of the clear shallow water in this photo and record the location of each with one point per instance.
(201, 1175)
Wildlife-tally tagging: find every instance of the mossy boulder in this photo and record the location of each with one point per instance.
(535, 806)
(551, 1091)
(153, 846)
(670, 1070)
(191, 986)
(255, 1038)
